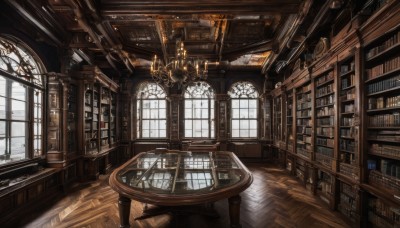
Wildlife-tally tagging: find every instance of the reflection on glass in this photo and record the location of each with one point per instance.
(18, 110)
(181, 172)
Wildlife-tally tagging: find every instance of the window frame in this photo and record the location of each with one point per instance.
(240, 95)
(139, 111)
(33, 79)
(211, 112)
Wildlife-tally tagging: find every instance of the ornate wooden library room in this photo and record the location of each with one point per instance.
(193, 114)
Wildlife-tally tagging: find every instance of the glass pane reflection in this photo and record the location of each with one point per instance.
(179, 172)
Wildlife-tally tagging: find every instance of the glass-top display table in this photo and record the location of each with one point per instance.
(176, 178)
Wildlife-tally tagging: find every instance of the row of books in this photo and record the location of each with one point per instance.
(329, 100)
(389, 135)
(325, 111)
(347, 145)
(348, 190)
(304, 130)
(381, 102)
(348, 170)
(303, 149)
(324, 159)
(104, 133)
(325, 131)
(346, 133)
(384, 149)
(104, 142)
(379, 221)
(325, 151)
(344, 68)
(304, 97)
(380, 208)
(348, 94)
(390, 168)
(304, 113)
(390, 42)
(347, 158)
(91, 145)
(324, 78)
(384, 181)
(347, 121)
(325, 142)
(346, 211)
(324, 90)
(383, 85)
(347, 200)
(305, 89)
(387, 66)
(385, 120)
(305, 105)
(326, 121)
(348, 108)
(304, 122)
(348, 81)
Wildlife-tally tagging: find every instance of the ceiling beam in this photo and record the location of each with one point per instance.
(161, 36)
(224, 29)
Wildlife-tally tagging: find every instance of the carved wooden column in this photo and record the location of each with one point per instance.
(175, 122)
(222, 120)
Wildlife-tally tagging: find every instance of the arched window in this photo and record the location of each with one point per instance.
(244, 110)
(151, 111)
(199, 111)
(21, 100)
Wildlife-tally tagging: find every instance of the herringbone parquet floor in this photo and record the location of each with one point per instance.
(275, 199)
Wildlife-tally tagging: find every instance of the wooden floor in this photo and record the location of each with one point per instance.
(275, 199)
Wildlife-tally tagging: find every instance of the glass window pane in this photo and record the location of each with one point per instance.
(146, 124)
(154, 134)
(162, 114)
(18, 147)
(188, 113)
(244, 124)
(197, 124)
(154, 104)
(253, 124)
(2, 128)
(252, 103)
(197, 133)
(197, 113)
(188, 104)
(18, 91)
(154, 124)
(2, 107)
(188, 133)
(244, 133)
(163, 133)
(18, 129)
(163, 124)
(162, 104)
(146, 104)
(2, 146)
(244, 113)
(252, 113)
(204, 113)
(235, 124)
(154, 113)
(146, 114)
(2, 86)
(235, 103)
(244, 103)
(204, 133)
(235, 133)
(145, 133)
(253, 133)
(188, 124)
(18, 110)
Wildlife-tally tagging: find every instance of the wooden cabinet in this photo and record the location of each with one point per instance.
(304, 118)
(99, 112)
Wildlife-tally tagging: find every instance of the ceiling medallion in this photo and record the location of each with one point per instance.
(180, 69)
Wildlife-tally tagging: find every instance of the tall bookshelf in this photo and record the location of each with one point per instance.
(325, 118)
(382, 96)
(277, 119)
(289, 121)
(304, 123)
(348, 156)
(348, 200)
(72, 119)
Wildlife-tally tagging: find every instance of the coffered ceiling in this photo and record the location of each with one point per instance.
(126, 34)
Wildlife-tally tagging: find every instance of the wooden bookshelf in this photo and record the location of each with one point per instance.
(304, 139)
(348, 156)
(289, 121)
(325, 118)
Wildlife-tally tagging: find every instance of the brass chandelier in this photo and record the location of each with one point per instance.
(180, 70)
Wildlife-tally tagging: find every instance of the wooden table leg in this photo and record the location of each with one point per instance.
(124, 205)
(234, 211)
